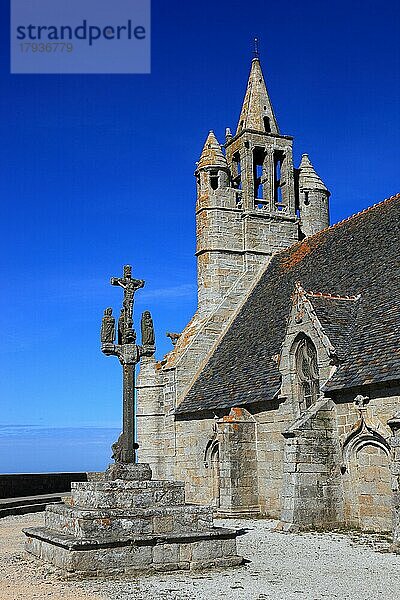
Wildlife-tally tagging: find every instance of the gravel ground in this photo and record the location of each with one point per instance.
(282, 566)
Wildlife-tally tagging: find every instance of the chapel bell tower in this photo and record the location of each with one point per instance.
(251, 201)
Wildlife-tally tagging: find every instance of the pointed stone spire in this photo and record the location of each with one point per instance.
(308, 176)
(212, 155)
(257, 112)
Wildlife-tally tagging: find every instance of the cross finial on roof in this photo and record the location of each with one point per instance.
(256, 48)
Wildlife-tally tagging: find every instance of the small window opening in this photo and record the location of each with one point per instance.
(267, 125)
(238, 200)
(214, 180)
(306, 199)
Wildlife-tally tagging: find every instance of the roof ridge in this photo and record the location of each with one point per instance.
(331, 296)
(361, 212)
(308, 240)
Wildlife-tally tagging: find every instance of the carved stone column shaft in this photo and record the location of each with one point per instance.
(128, 452)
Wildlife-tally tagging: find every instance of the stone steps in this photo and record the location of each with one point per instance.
(104, 524)
(119, 526)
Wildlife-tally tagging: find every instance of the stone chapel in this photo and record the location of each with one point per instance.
(281, 397)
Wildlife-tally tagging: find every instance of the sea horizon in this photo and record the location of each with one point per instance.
(55, 448)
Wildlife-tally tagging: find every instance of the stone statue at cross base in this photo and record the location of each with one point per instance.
(148, 337)
(122, 470)
(117, 449)
(107, 334)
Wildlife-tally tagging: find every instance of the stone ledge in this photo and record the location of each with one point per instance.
(237, 513)
(215, 549)
(127, 495)
(85, 513)
(70, 543)
(128, 472)
(120, 484)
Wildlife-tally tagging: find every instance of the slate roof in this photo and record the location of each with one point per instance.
(337, 315)
(357, 256)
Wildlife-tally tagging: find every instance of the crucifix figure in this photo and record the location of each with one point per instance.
(128, 353)
(130, 286)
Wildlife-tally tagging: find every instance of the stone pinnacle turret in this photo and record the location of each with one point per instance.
(308, 176)
(313, 199)
(257, 112)
(212, 155)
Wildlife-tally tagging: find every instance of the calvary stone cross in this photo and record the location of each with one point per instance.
(129, 354)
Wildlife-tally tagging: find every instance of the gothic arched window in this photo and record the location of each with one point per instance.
(307, 375)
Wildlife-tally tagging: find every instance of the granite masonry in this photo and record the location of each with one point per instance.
(280, 396)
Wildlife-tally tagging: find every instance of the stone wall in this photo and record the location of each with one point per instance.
(366, 460)
(394, 423)
(150, 413)
(190, 464)
(18, 485)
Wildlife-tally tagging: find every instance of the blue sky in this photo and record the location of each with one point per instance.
(97, 171)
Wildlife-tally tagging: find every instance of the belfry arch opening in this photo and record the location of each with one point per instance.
(259, 176)
(237, 171)
(279, 160)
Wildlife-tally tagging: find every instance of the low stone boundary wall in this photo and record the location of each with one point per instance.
(17, 485)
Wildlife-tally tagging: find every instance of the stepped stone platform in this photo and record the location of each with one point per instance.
(124, 522)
